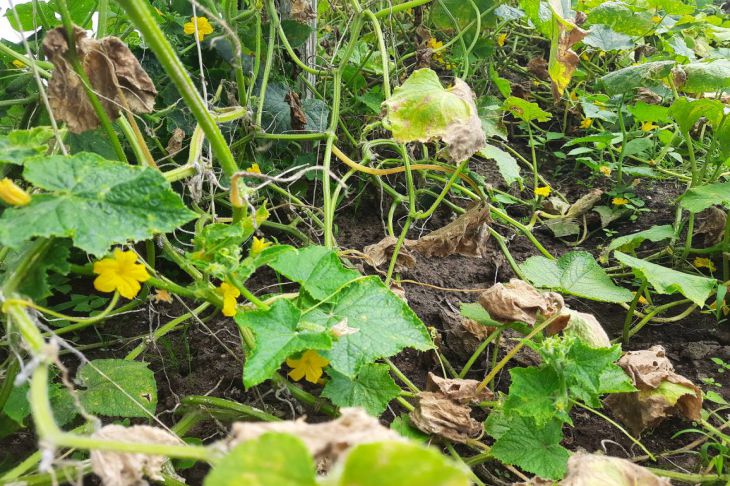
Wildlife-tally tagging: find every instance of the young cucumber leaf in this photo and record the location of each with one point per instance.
(316, 268)
(95, 202)
(19, 145)
(118, 388)
(702, 197)
(278, 336)
(272, 459)
(35, 284)
(526, 110)
(686, 113)
(576, 273)
(372, 389)
(521, 442)
(668, 281)
(17, 407)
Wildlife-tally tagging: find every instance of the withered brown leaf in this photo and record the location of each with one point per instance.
(661, 391)
(467, 235)
(298, 117)
(116, 76)
(519, 301)
(174, 145)
(594, 469)
(381, 252)
(302, 11)
(327, 441)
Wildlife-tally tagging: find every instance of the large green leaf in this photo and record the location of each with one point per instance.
(372, 389)
(269, 460)
(421, 109)
(668, 281)
(622, 19)
(384, 325)
(702, 197)
(706, 76)
(118, 388)
(17, 408)
(393, 463)
(604, 38)
(537, 393)
(521, 442)
(455, 15)
(95, 202)
(278, 336)
(576, 273)
(35, 284)
(19, 145)
(632, 77)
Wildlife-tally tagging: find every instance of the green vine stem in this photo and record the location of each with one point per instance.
(163, 330)
(212, 404)
(141, 16)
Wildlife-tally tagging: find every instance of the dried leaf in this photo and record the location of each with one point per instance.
(436, 414)
(467, 235)
(327, 441)
(563, 59)
(519, 301)
(662, 392)
(174, 145)
(711, 226)
(538, 66)
(647, 96)
(458, 390)
(298, 117)
(301, 11)
(464, 137)
(128, 468)
(115, 75)
(463, 335)
(595, 469)
(381, 252)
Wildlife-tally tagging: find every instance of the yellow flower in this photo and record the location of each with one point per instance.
(602, 54)
(434, 44)
(573, 96)
(543, 191)
(230, 294)
(642, 300)
(704, 263)
(619, 201)
(656, 19)
(647, 126)
(203, 27)
(121, 273)
(255, 169)
(309, 365)
(258, 245)
(586, 123)
(605, 170)
(18, 64)
(161, 295)
(585, 57)
(11, 194)
(500, 39)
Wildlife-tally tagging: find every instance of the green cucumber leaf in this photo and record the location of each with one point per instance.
(632, 77)
(385, 325)
(272, 459)
(278, 336)
(575, 273)
(521, 442)
(95, 202)
(629, 243)
(668, 281)
(686, 113)
(706, 76)
(118, 388)
(702, 197)
(35, 284)
(507, 165)
(372, 389)
(19, 145)
(526, 110)
(606, 39)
